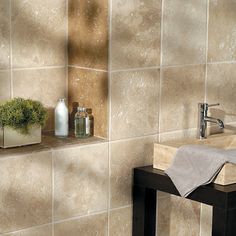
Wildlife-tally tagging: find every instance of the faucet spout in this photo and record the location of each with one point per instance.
(216, 121)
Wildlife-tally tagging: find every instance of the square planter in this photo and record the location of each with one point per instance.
(12, 138)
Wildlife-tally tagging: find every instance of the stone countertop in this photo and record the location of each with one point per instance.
(50, 142)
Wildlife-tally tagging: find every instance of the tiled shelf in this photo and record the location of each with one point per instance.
(50, 142)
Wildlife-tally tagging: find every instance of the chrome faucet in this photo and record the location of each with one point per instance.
(204, 118)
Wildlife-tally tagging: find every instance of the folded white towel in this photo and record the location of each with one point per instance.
(196, 165)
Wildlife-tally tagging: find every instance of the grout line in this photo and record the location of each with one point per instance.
(53, 192)
(87, 68)
(206, 67)
(181, 65)
(200, 225)
(29, 228)
(221, 62)
(81, 216)
(39, 68)
(66, 48)
(120, 208)
(132, 138)
(11, 62)
(161, 71)
(136, 69)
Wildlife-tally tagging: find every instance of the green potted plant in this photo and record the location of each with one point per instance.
(21, 121)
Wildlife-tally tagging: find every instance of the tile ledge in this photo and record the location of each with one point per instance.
(50, 143)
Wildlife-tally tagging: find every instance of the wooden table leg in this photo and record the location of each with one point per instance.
(224, 222)
(144, 211)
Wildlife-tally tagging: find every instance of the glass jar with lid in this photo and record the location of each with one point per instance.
(91, 121)
(82, 128)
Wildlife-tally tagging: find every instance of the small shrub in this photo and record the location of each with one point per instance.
(20, 114)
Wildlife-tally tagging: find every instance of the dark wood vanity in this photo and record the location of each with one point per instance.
(147, 181)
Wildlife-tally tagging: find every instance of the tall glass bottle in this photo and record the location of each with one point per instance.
(82, 128)
(61, 119)
(91, 121)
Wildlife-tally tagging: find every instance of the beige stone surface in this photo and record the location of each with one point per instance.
(26, 191)
(125, 155)
(38, 33)
(206, 220)
(222, 36)
(5, 85)
(88, 33)
(93, 225)
(80, 180)
(45, 85)
(184, 32)
(164, 154)
(178, 217)
(136, 34)
(4, 34)
(38, 231)
(90, 89)
(134, 103)
(121, 222)
(220, 88)
(182, 89)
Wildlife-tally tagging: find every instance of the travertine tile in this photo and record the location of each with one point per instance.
(81, 180)
(178, 217)
(182, 90)
(135, 35)
(5, 85)
(221, 86)
(206, 220)
(184, 32)
(88, 33)
(39, 231)
(26, 191)
(4, 34)
(125, 155)
(38, 33)
(90, 89)
(222, 30)
(93, 225)
(121, 222)
(134, 103)
(44, 85)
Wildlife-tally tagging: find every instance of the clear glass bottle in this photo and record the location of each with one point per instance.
(82, 129)
(91, 121)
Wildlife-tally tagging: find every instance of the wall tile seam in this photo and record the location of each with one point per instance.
(95, 213)
(11, 60)
(87, 68)
(39, 68)
(135, 69)
(28, 228)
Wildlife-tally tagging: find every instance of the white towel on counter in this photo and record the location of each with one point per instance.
(196, 165)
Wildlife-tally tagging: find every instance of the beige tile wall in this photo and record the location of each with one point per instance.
(147, 89)
(33, 51)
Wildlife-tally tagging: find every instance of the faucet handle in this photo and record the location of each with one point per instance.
(213, 105)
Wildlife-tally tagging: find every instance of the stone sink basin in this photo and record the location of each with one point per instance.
(164, 154)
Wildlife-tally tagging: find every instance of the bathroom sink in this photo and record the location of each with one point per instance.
(164, 154)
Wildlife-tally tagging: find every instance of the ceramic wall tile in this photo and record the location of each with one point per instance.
(38, 231)
(5, 85)
(135, 38)
(178, 217)
(222, 31)
(81, 180)
(4, 34)
(26, 191)
(38, 33)
(121, 222)
(125, 155)
(184, 32)
(90, 89)
(221, 86)
(134, 103)
(182, 89)
(88, 33)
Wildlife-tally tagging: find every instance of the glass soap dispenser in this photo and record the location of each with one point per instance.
(91, 121)
(82, 127)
